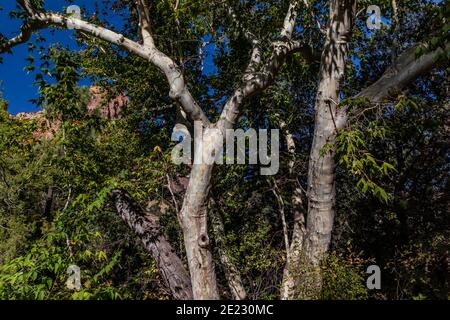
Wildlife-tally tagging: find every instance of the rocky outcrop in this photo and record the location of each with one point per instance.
(111, 110)
(46, 129)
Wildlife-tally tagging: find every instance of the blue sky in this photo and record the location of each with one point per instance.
(16, 84)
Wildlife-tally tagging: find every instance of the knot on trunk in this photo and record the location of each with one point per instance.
(203, 240)
(175, 94)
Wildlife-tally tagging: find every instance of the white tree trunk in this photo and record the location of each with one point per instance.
(193, 219)
(321, 189)
(303, 279)
(302, 276)
(193, 215)
(315, 240)
(288, 284)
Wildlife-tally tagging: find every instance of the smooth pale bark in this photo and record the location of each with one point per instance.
(179, 92)
(193, 219)
(193, 214)
(316, 238)
(146, 227)
(288, 284)
(258, 76)
(258, 81)
(321, 189)
(407, 67)
(290, 272)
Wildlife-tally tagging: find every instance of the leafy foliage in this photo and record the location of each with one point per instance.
(392, 157)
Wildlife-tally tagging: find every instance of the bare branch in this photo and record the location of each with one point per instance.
(27, 6)
(254, 81)
(257, 81)
(406, 69)
(298, 232)
(178, 88)
(289, 21)
(25, 33)
(144, 23)
(255, 59)
(280, 201)
(26, 30)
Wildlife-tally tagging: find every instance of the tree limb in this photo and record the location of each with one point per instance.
(406, 69)
(298, 232)
(27, 6)
(144, 23)
(146, 227)
(255, 57)
(26, 30)
(289, 21)
(254, 81)
(178, 89)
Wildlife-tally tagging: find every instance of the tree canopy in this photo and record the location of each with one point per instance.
(363, 177)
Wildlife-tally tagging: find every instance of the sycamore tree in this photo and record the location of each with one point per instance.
(265, 42)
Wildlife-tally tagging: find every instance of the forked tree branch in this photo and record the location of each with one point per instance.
(255, 81)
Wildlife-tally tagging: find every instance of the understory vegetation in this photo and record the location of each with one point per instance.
(58, 169)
